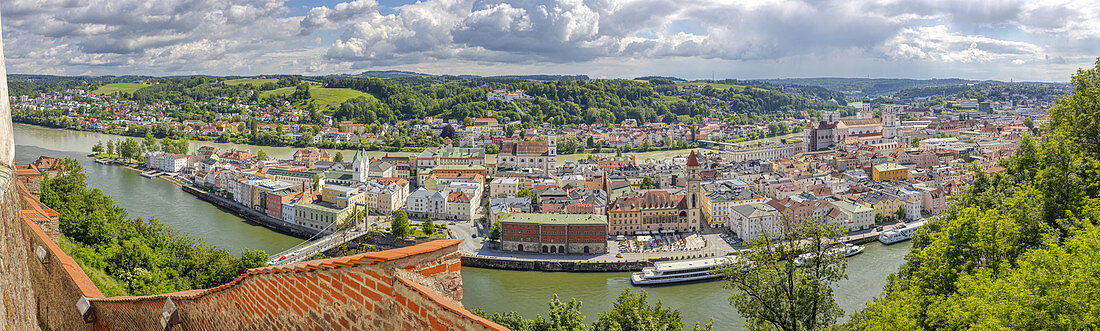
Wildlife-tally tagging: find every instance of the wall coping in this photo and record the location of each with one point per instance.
(305, 266)
(448, 305)
(85, 284)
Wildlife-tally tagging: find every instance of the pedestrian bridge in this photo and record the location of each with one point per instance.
(310, 247)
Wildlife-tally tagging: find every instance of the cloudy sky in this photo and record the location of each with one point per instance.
(1009, 39)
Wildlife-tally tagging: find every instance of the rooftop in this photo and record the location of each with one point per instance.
(552, 219)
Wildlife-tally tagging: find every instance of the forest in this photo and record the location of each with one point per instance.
(1017, 249)
(132, 256)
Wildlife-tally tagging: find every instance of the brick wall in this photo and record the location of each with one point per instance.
(412, 288)
(37, 294)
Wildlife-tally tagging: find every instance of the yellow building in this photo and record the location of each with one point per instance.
(889, 172)
(884, 204)
(343, 196)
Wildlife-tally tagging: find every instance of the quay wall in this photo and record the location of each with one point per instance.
(250, 214)
(551, 265)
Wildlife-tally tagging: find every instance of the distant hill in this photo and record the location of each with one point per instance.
(868, 86)
(386, 74)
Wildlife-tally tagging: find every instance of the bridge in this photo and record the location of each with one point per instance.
(309, 248)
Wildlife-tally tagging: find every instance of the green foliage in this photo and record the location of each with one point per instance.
(525, 193)
(428, 227)
(339, 157)
(771, 292)
(261, 155)
(399, 226)
(648, 184)
(1015, 250)
(562, 316)
(145, 255)
(494, 232)
(632, 312)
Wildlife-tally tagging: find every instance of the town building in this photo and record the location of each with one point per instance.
(752, 220)
(889, 172)
(554, 233)
(541, 155)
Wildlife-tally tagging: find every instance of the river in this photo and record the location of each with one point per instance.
(493, 290)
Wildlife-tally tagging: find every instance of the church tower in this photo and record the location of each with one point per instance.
(694, 193)
(360, 164)
(890, 123)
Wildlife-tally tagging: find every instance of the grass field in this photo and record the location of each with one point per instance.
(118, 87)
(324, 97)
(253, 81)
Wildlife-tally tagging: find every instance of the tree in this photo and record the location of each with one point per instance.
(98, 147)
(428, 227)
(631, 311)
(492, 148)
(339, 157)
(261, 155)
(150, 143)
(110, 146)
(525, 193)
(562, 316)
(1031, 125)
(648, 184)
(448, 132)
(771, 292)
(900, 213)
(400, 224)
(494, 232)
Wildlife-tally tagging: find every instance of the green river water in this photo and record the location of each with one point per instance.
(493, 290)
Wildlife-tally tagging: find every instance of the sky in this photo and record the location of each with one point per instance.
(1021, 40)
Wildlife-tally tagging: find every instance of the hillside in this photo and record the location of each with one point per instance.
(253, 81)
(119, 87)
(866, 86)
(1017, 249)
(322, 97)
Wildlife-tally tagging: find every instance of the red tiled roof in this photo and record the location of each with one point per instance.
(692, 161)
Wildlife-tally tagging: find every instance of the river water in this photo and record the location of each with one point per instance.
(525, 292)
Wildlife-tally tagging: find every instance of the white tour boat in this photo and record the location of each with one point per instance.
(899, 235)
(848, 250)
(680, 271)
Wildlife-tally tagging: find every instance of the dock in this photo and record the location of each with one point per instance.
(151, 174)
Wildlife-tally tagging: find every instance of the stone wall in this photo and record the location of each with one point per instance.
(551, 265)
(37, 293)
(411, 288)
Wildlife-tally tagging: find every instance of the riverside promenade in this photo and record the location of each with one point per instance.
(478, 252)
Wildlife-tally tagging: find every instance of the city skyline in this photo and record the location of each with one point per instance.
(1000, 40)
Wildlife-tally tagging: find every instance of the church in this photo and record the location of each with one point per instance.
(832, 132)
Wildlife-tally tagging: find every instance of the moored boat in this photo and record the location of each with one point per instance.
(680, 271)
(899, 235)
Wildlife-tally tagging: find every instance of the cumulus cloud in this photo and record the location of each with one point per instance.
(937, 43)
(215, 36)
(322, 17)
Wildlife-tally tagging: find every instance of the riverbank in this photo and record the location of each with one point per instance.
(245, 213)
(506, 263)
(82, 141)
(251, 215)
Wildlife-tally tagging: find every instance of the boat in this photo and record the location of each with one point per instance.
(899, 235)
(680, 271)
(848, 250)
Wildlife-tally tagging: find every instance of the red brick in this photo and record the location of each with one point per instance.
(434, 270)
(373, 296)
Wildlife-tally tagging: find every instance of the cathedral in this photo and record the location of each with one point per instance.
(835, 133)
